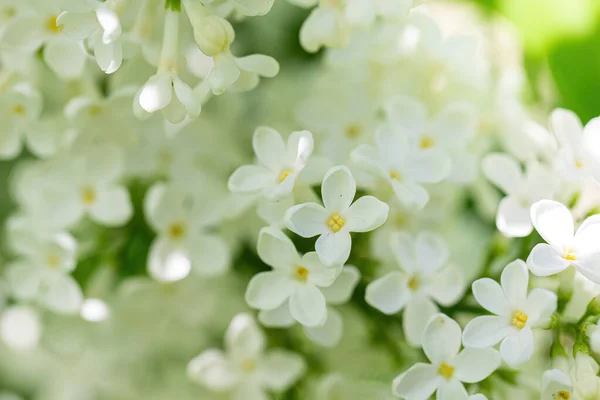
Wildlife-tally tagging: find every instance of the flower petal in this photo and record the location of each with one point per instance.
(517, 347)
(112, 206)
(410, 194)
(167, 263)
(269, 148)
(431, 251)
(567, 127)
(62, 295)
(452, 389)
(156, 93)
(441, 339)
(447, 286)
(334, 248)
(503, 171)
(545, 260)
(307, 305)
(553, 221)
(429, 166)
(540, 305)
(259, 64)
(418, 312)
(279, 317)
(490, 295)
(306, 220)
(338, 189)
(513, 219)
(65, 57)
(474, 365)
(268, 290)
(244, 339)
(250, 178)
(213, 370)
(209, 254)
(318, 273)
(407, 115)
(187, 98)
(330, 333)
(389, 293)
(418, 383)
(276, 249)
(486, 331)
(514, 281)
(280, 369)
(366, 214)
(404, 248)
(109, 56)
(341, 290)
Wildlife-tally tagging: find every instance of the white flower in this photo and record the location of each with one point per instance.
(330, 332)
(181, 219)
(449, 130)
(580, 383)
(20, 327)
(296, 278)
(424, 277)
(402, 167)
(334, 222)
(522, 190)
(97, 22)
(564, 247)
(20, 107)
(517, 314)
(448, 368)
(37, 27)
(278, 165)
(42, 274)
(245, 370)
(579, 153)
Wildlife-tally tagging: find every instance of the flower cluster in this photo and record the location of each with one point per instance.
(384, 219)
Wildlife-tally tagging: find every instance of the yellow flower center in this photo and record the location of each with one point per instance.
(284, 174)
(578, 164)
(446, 371)
(562, 395)
(51, 25)
(413, 283)
(569, 255)
(336, 222)
(95, 110)
(18, 109)
(426, 142)
(53, 260)
(395, 175)
(519, 320)
(176, 230)
(301, 273)
(248, 365)
(88, 195)
(353, 131)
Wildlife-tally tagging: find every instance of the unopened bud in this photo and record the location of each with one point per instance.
(213, 35)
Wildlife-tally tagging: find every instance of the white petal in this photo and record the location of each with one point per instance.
(513, 218)
(429, 166)
(418, 383)
(407, 115)
(65, 57)
(259, 64)
(490, 295)
(545, 260)
(25, 33)
(20, 328)
(276, 249)
(541, 304)
(268, 290)
(334, 248)
(517, 347)
(455, 124)
(280, 369)
(486, 331)
(388, 294)
(210, 255)
(514, 281)
(590, 142)
(167, 263)
(307, 305)
(318, 273)
(567, 127)
(410, 194)
(341, 290)
(307, 220)
(244, 339)
(253, 8)
(325, 26)
(250, 178)
(503, 171)
(441, 339)
(269, 148)
(404, 248)
(452, 390)
(156, 93)
(418, 312)
(431, 252)
(24, 280)
(338, 189)
(109, 56)
(447, 286)
(366, 214)
(330, 333)
(553, 221)
(112, 206)
(391, 145)
(586, 237)
(62, 295)
(77, 26)
(554, 381)
(213, 370)
(279, 317)
(589, 266)
(223, 74)
(109, 21)
(474, 365)
(300, 145)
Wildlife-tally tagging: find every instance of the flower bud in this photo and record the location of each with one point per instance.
(213, 35)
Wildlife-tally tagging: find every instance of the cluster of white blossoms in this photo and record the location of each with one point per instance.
(381, 220)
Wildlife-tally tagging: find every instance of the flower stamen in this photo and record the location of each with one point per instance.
(446, 370)
(336, 222)
(284, 174)
(519, 320)
(301, 273)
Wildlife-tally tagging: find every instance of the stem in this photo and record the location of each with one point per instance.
(173, 5)
(170, 45)
(117, 6)
(144, 21)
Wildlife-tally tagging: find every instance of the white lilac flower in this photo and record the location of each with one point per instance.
(565, 247)
(449, 130)
(20, 107)
(99, 23)
(330, 332)
(449, 368)
(42, 273)
(296, 278)
(522, 190)
(579, 148)
(516, 314)
(334, 222)
(38, 27)
(279, 165)
(405, 169)
(181, 219)
(575, 379)
(245, 369)
(20, 328)
(424, 279)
